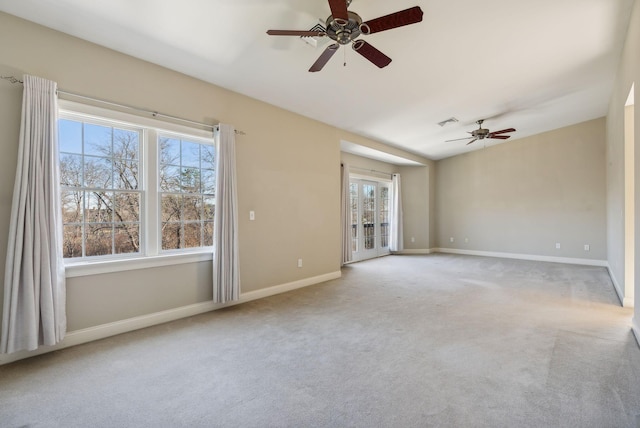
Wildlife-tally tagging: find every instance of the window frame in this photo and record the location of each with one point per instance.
(202, 193)
(88, 189)
(151, 253)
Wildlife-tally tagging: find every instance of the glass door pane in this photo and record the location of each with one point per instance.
(353, 196)
(384, 216)
(369, 215)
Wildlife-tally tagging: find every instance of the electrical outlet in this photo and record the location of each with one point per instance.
(466, 240)
(413, 239)
(451, 239)
(299, 263)
(587, 247)
(557, 245)
(252, 215)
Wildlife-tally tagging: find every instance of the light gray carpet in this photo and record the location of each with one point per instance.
(402, 341)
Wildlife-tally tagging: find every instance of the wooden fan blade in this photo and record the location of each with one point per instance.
(503, 131)
(394, 20)
(296, 33)
(339, 9)
(475, 139)
(499, 137)
(372, 54)
(324, 57)
(458, 139)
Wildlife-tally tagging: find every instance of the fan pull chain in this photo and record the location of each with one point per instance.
(344, 52)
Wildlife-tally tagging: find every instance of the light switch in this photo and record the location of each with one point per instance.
(252, 215)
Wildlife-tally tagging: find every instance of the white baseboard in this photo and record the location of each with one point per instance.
(283, 288)
(418, 251)
(118, 327)
(533, 257)
(636, 329)
(616, 285)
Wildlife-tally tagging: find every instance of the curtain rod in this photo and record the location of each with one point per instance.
(14, 80)
(372, 170)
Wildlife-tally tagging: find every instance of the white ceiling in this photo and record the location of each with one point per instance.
(531, 65)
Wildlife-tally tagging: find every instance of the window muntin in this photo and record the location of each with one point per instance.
(124, 208)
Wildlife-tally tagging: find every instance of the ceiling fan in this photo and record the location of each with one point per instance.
(482, 133)
(345, 27)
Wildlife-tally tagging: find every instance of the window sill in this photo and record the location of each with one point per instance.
(77, 269)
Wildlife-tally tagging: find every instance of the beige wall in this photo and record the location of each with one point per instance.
(288, 173)
(628, 73)
(525, 196)
(415, 186)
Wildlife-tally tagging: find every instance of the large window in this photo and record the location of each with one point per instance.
(133, 189)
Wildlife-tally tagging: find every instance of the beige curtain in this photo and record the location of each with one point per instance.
(34, 283)
(226, 274)
(396, 242)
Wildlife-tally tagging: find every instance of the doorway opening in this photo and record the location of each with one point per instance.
(369, 203)
(629, 200)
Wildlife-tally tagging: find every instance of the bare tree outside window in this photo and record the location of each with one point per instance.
(102, 188)
(187, 193)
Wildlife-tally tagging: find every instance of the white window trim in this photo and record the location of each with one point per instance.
(151, 253)
(75, 269)
(128, 119)
(386, 178)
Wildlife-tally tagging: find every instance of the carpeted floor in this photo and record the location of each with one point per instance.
(401, 341)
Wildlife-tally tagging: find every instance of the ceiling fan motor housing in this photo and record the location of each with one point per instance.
(347, 33)
(480, 133)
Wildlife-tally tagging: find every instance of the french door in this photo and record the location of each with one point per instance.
(369, 218)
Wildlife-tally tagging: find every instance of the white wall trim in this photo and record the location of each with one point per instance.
(76, 269)
(533, 257)
(90, 334)
(417, 251)
(636, 329)
(283, 288)
(616, 285)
